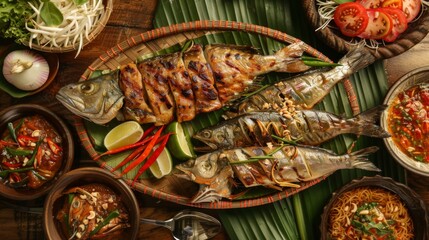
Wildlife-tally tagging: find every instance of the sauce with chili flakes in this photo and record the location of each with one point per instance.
(32, 151)
(409, 122)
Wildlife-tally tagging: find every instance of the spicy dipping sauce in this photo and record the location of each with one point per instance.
(31, 152)
(408, 122)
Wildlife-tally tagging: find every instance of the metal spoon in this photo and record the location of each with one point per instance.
(189, 225)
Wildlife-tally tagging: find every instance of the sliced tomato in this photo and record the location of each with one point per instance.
(379, 24)
(351, 18)
(411, 8)
(393, 4)
(399, 22)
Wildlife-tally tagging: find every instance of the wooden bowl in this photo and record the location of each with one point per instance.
(413, 78)
(53, 63)
(79, 177)
(416, 207)
(15, 112)
(331, 35)
(108, 4)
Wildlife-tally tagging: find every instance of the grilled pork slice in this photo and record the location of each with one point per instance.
(136, 106)
(206, 95)
(155, 78)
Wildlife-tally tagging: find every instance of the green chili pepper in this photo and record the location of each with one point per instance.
(12, 131)
(5, 173)
(112, 215)
(40, 177)
(33, 157)
(319, 63)
(18, 151)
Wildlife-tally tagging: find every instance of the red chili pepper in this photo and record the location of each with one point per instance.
(130, 157)
(15, 177)
(12, 165)
(148, 131)
(137, 151)
(145, 153)
(151, 159)
(25, 140)
(124, 148)
(53, 146)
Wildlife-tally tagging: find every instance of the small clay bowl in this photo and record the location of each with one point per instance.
(53, 63)
(416, 207)
(82, 176)
(410, 79)
(15, 112)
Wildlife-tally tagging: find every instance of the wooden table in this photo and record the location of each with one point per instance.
(130, 18)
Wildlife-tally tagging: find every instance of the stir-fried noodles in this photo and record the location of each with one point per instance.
(369, 213)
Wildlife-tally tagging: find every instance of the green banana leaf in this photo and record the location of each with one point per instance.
(297, 217)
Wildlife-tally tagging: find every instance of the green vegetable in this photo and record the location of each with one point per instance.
(18, 151)
(112, 215)
(33, 157)
(50, 14)
(12, 19)
(12, 131)
(5, 173)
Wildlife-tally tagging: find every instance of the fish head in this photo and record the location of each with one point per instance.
(213, 172)
(98, 100)
(214, 138)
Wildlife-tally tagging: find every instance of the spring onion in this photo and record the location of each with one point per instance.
(25, 69)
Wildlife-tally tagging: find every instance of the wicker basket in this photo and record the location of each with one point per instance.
(108, 4)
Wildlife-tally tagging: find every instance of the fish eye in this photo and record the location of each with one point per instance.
(76, 204)
(207, 134)
(87, 87)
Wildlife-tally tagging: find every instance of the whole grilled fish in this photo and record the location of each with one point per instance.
(178, 85)
(277, 167)
(306, 90)
(308, 127)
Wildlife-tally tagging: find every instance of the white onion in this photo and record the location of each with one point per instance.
(25, 69)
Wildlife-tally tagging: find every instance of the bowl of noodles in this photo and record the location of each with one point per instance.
(375, 208)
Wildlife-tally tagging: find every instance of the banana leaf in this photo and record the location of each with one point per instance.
(297, 217)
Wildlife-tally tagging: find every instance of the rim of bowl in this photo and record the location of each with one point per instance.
(17, 111)
(87, 175)
(408, 80)
(415, 205)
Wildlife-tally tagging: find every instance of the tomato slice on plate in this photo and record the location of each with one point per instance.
(351, 18)
(379, 24)
(399, 22)
(411, 8)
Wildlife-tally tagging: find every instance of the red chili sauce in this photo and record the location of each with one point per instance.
(30, 152)
(409, 122)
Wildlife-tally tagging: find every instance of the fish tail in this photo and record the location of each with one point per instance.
(357, 58)
(366, 123)
(290, 58)
(359, 159)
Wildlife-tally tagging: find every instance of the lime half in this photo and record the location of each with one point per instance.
(178, 144)
(122, 135)
(163, 164)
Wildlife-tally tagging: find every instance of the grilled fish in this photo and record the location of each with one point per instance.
(308, 89)
(308, 127)
(277, 167)
(177, 85)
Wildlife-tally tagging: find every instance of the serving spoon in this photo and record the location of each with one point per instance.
(189, 225)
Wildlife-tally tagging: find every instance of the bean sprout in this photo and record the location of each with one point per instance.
(79, 22)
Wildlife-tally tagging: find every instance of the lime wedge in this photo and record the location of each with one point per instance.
(124, 134)
(178, 144)
(163, 164)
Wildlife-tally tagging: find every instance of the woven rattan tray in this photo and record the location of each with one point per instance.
(172, 188)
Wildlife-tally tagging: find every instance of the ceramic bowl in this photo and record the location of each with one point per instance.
(53, 63)
(15, 112)
(415, 206)
(413, 78)
(416, 31)
(79, 177)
